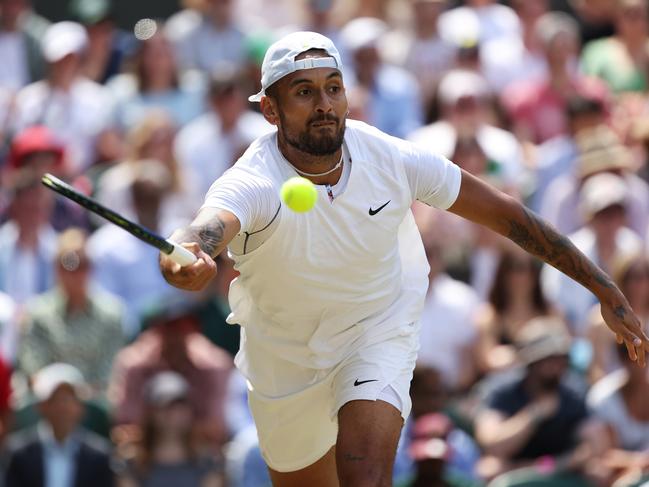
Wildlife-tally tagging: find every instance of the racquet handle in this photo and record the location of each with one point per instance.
(181, 255)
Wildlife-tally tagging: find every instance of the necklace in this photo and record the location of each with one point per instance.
(322, 173)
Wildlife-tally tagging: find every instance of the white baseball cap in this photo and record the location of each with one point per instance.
(602, 191)
(461, 83)
(63, 38)
(50, 378)
(279, 60)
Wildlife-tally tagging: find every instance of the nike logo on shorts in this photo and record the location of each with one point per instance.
(359, 382)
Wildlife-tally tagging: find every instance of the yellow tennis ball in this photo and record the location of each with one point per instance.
(299, 194)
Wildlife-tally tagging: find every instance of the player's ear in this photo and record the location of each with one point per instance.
(269, 110)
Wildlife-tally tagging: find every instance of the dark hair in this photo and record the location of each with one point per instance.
(499, 294)
(577, 106)
(149, 438)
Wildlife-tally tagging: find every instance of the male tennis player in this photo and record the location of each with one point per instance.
(329, 300)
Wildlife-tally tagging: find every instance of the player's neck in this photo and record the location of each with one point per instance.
(308, 163)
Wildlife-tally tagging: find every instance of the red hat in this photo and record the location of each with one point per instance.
(33, 139)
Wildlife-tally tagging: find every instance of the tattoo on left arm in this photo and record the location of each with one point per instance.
(539, 238)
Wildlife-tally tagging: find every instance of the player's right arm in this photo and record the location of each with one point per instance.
(207, 236)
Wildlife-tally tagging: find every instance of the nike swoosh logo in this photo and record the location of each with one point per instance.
(359, 382)
(374, 212)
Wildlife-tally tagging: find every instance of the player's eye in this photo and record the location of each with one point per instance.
(334, 89)
(304, 92)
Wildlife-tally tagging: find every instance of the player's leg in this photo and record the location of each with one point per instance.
(368, 433)
(371, 400)
(320, 474)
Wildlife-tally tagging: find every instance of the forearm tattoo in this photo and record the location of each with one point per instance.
(539, 238)
(208, 236)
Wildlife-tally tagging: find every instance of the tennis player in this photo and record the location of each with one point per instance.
(329, 300)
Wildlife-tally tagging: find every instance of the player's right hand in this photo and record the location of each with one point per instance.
(194, 277)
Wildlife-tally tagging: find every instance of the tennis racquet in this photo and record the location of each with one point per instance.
(176, 252)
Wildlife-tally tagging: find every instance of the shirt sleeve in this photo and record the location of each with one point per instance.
(433, 179)
(251, 197)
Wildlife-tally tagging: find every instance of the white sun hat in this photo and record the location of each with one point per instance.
(63, 38)
(279, 60)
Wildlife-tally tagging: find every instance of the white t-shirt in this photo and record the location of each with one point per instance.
(327, 282)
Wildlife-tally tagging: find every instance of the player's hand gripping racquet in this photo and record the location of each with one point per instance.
(177, 253)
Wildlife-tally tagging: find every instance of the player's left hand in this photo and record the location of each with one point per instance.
(621, 319)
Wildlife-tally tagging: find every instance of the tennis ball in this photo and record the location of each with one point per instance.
(299, 194)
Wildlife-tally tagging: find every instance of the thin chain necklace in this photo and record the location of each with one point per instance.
(340, 162)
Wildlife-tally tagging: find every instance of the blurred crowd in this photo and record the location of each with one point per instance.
(108, 376)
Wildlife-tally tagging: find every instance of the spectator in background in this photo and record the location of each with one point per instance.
(534, 414)
(556, 158)
(455, 452)
(73, 322)
(515, 299)
(319, 19)
(76, 109)
(155, 83)
(58, 451)
(38, 150)
(537, 106)
(448, 333)
(422, 51)
(622, 59)
(604, 239)
(209, 145)
(621, 401)
(600, 151)
(123, 264)
(152, 139)
(510, 59)
(388, 86)
(205, 36)
(494, 21)
(172, 343)
(464, 108)
(21, 31)
(108, 46)
(631, 274)
(27, 241)
(167, 454)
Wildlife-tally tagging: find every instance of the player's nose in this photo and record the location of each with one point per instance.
(323, 103)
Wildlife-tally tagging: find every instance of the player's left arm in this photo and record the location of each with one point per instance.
(483, 204)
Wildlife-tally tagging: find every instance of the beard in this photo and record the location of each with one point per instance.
(306, 141)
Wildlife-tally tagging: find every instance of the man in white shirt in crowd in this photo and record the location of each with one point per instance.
(329, 300)
(206, 36)
(76, 109)
(210, 144)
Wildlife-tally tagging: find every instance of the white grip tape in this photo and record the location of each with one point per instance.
(181, 255)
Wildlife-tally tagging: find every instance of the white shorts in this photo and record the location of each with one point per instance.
(298, 429)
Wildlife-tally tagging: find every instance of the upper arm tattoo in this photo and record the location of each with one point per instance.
(540, 239)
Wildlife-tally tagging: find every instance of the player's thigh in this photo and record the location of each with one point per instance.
(320, 474)
(368, 434)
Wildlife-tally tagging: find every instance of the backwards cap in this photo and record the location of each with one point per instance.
(279, 60)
